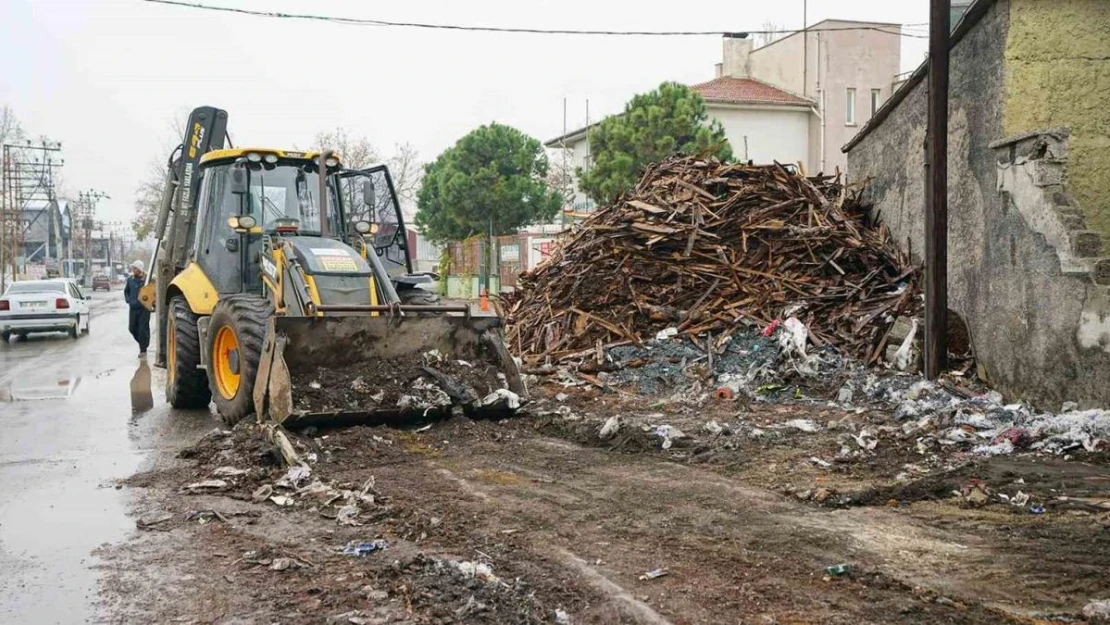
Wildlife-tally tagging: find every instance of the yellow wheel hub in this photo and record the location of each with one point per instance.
(225, 362)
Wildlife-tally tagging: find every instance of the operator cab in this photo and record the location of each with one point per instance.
(246, 193)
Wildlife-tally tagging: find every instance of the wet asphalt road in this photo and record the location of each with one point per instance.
(75, 417)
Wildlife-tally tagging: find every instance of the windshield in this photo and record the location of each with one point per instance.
(36, 287)
(288, 190)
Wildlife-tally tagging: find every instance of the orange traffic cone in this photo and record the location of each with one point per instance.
(483, 298)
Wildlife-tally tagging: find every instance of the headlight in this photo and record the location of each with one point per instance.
(332, 162)
(270, 158)
(363, 227)
(254, 157)
(247, 222)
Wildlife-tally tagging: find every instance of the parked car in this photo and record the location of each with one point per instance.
(43, 306)
(101, 282)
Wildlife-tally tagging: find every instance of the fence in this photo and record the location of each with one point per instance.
(471, 263)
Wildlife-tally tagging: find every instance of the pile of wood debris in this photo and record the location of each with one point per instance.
(706, 247)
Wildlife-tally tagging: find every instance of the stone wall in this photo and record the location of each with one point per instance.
(1020, 263)
(1058, 74)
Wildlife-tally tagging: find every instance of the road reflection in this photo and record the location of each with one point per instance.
(142, 399)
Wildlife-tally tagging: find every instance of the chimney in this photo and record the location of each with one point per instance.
(737, 56)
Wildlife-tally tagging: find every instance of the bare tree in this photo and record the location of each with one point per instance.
(407, 171)
(10, 129)
(772, 33)
(148, 193)
(355, 152)
(560, 173)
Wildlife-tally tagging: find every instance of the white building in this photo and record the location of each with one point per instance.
(795, 100)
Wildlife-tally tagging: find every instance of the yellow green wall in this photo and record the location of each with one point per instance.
(1058, 75)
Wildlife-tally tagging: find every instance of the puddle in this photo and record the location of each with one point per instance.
(22, 391)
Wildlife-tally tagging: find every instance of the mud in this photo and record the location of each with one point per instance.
(568, 524)
(429, 382)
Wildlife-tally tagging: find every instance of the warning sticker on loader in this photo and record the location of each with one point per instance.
(335, 259)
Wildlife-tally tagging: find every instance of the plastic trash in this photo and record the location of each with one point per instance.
(844, 396)
(609, 428)
(348, 515)
(229, 472)
(669, 434)
(770, 329)
(283, 564)
(283, 501)
(206, 485)
(476, 570)
(805, 425)
(362, 548)
(666, 333)
(1098, 611)
(794, 336)
(501, 398)
(838, 570)
(562, 617)
(294, 477)
(714, 428)
(905, 350)
(654, 574)
(1036, 509)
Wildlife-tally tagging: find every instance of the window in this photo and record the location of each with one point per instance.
(875, 99)
(850, 108)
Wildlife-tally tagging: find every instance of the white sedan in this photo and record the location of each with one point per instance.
(55, 305)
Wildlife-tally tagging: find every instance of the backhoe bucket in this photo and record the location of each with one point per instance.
(342, 370)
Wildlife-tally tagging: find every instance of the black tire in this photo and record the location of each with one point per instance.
(6, 336)
(245, 317)
(75, 331)
(186, 385)
(418, 297)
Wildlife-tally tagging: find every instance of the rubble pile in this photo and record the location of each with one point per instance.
(705, 247)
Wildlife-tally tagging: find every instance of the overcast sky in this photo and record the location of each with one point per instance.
(107, 77)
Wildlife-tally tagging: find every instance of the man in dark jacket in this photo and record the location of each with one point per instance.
(139, 321)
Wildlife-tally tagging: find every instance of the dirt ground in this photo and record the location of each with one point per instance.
(537, 519)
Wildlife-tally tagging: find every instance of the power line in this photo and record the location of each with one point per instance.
(353, 21)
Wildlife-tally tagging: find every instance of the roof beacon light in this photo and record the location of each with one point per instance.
(332, 161)
(254, 157)
(270, 158)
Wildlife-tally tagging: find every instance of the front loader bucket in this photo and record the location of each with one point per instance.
(342, 370)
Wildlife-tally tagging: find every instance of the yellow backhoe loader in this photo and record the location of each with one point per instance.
(283, 287)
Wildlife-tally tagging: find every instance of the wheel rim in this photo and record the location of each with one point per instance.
(225, 362)
(171, 350)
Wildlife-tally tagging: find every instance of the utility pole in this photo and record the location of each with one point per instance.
(936, 194)
(28, 176)
(87, 218)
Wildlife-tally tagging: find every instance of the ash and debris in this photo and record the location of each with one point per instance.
(774, 366)
(431, 383)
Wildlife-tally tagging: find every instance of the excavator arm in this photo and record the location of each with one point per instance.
(175, 227)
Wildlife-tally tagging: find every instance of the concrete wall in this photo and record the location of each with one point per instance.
(858, 59)
(780, 63)
(1058, 74)
(1037, 323)
(835, 61)
(772, 133)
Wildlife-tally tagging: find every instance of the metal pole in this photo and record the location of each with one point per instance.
(936, 194)
(4, 208)
(805, 48)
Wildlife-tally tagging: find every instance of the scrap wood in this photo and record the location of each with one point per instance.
(718, 243)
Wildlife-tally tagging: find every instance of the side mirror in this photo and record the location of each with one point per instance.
(368, 193)
(238, 180)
